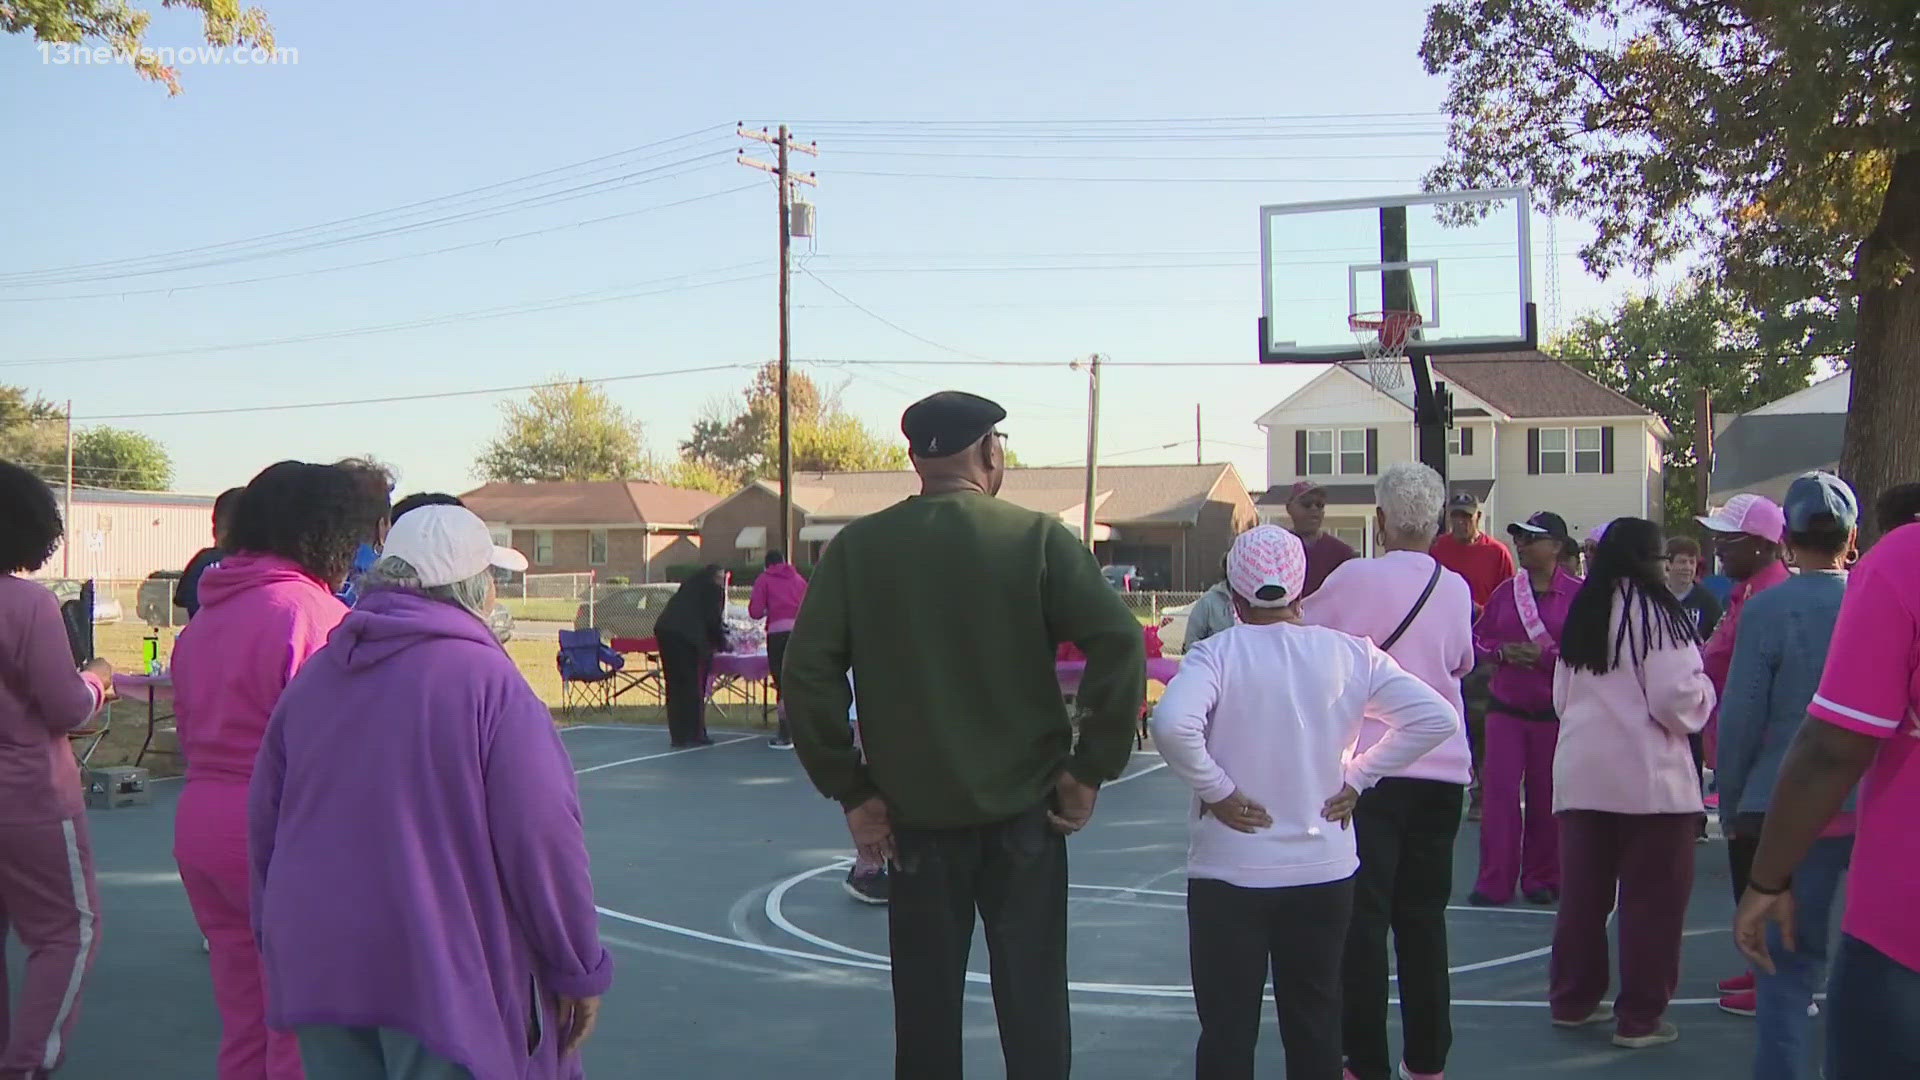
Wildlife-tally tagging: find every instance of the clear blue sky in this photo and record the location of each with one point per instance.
(392, 103)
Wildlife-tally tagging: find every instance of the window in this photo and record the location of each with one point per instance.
(1336, 451)
(597, 547)
(1553, 450)
(1460, 442)
(1354, 536)
(1586, 450)
(543, 547)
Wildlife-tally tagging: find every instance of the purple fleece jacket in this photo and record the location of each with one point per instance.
(418, 857)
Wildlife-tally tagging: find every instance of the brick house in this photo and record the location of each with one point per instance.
(1174, 522)
(612, 528)
(1530, 433)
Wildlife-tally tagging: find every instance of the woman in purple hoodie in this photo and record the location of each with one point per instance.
(422, 895)
(777, 596)
(47, 894)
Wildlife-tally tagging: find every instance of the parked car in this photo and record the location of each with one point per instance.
(106, 607)
(154, 604)
(626, 612)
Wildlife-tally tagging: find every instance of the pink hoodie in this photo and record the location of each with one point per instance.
(42, 698)
(777, 596)
(260, 617)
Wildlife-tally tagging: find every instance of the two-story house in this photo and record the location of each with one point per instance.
(1530, 433)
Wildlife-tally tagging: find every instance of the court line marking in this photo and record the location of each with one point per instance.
(662, 754)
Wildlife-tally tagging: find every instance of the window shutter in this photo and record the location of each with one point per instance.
(1533, 451)
(1606, 449)
(1466, 441)
(1300, 452)
(1373, 451)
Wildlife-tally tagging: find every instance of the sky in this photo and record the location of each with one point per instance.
(437, 197)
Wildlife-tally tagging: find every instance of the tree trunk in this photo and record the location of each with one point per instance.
(1882, 446)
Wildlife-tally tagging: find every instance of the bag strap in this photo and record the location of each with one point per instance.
(1418, 605)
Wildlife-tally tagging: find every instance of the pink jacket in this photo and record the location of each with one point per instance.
(42, 697)
(777, 596)
(260, 618)
(1623, 735)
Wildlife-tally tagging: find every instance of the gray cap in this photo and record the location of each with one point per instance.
(1820, 493)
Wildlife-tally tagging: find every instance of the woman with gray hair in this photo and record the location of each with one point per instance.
(421, 890)
(1421, 614)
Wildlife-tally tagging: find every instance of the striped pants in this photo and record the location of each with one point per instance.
(49, 900)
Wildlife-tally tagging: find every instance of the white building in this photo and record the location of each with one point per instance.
(1762, 451)
(126, 535)
(1531, 433)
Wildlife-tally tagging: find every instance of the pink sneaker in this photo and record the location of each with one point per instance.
(1409, 1074)
(1745, 1003)
(1713, 801)
(1739, 984)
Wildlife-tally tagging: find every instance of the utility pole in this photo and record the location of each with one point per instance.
(66, 515)
(1199, 445)
(1093, 447)
(784, 179)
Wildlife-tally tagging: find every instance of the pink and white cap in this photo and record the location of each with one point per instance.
(1265, 558)
(1755, 515)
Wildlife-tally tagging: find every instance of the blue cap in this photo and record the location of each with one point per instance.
(1820, 493)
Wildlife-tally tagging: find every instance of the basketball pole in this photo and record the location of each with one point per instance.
(1396, 294)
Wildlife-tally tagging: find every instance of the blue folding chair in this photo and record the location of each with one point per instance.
(587, 669)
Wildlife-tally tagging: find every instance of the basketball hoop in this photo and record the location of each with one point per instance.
(1383, 336)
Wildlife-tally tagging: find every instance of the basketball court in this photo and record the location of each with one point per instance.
(718, 871)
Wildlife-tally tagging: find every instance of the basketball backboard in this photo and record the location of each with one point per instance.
(1460, 260)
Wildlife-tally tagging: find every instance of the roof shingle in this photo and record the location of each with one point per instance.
(591, 502)
(1128, 494)
(1528, 385)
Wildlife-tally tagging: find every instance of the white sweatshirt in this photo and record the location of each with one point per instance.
(1274, 711)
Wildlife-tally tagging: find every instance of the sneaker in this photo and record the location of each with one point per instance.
(1712, 800)
(1659, 1036)
(1480, 899)
(1602, 1014)
(1543, 897)
(1744, 1003)
(868, 888)
(1739, 984)
(1409, 1074)
(778, 743)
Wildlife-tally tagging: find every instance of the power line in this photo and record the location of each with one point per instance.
(1172, 158)
(1083, 122)
(433, 396)
(1130, 179)
(882, 319)
(359, 218)
(489, 242)
(573, 300)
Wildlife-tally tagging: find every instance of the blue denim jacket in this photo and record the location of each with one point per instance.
(1777, 661)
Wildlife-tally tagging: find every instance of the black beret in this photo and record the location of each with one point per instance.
(948, 422)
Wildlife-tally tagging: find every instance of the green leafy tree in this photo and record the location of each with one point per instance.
(122, 27)
(1662, 350)
(106, 457)
(564, 431)
(32, 431)
(696, 476)
(745, 445)
(837, 442)
(1776, 138)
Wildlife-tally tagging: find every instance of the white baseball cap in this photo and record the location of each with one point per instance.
(1755, 515)
(447, 544)
(1267, 559)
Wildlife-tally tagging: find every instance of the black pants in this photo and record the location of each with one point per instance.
(684, 666)
(1233, 936)
(1405, 831)
(776, 656)
(1014, 873)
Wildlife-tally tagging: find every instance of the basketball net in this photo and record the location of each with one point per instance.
(1383, 337)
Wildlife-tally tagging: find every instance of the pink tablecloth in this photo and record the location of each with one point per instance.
(143, 687)
(753, 667)
(1160, 669)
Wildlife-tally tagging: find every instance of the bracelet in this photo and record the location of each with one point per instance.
(1785, 886)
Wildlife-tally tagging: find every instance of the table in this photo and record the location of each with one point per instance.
(1160, 669)
(732, 670)
(151, 689)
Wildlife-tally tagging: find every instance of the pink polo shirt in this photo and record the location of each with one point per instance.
(1872, 686)
(1368, 598)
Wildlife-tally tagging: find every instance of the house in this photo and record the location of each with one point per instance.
(1173, 522)
(1530, 433)
(610, 528)
(1763, 450)
(126, 535)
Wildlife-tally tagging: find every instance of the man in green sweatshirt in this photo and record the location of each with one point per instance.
(952, 605)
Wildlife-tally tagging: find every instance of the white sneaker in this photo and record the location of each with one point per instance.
(1659, 1036)
(1600, 1015)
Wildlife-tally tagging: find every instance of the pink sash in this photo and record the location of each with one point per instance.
(1529, 610)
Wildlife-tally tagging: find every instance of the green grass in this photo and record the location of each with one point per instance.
(540, 608)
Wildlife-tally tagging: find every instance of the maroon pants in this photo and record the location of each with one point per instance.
(48, 899)
(1647, 859)
(1517, 843)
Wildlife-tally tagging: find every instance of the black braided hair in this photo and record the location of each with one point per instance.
(1625, 563)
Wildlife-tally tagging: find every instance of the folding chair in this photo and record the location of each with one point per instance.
(587, 669)
(648, 677)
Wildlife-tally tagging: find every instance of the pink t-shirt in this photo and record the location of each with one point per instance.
(1872, 686)
(1368, 598)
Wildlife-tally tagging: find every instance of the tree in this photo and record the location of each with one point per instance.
(1661, 350)
(1776, 138)
(745, 446)
(696, 476)
(563, 431)
(32, 431)
(121, 27)
(106, 457)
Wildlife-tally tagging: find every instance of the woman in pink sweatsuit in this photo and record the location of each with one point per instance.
(47, 893)
(263, 611)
